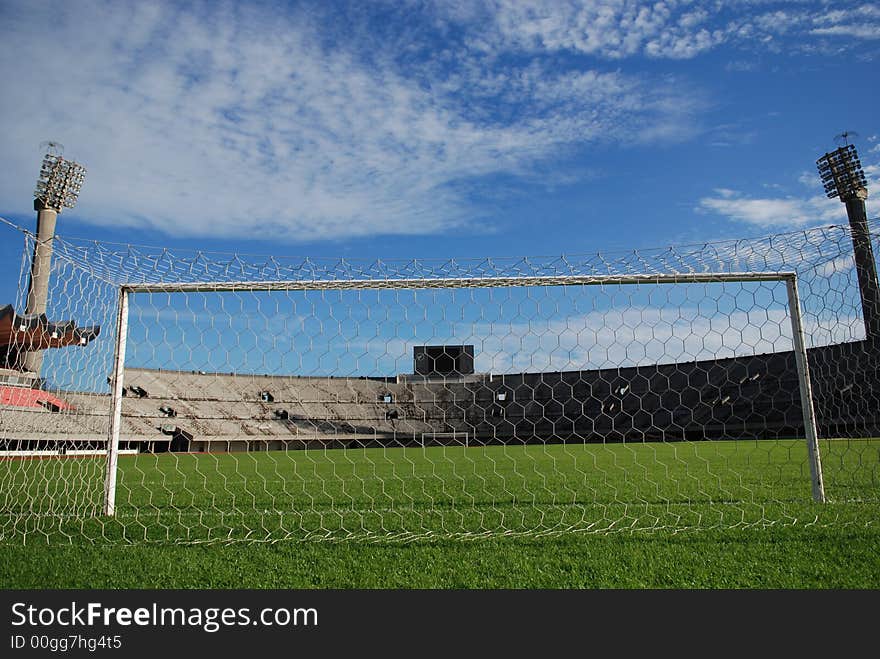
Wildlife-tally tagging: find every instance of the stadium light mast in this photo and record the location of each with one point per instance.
(58, 187)
(843, 177)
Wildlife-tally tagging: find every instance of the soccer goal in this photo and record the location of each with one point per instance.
(229, 400)
(657, 420)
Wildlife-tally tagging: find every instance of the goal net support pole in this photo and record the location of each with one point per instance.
(117, 385)
(806, 388)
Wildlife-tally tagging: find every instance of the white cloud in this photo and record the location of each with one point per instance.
(773, 213)
(675, 29)
(688, 323)
(810, 179)
(789, 211)
(624, 337)
(226, 120)
(858, 31)
(606, 28)
(630, 337)
(842, 264)
(861, 22)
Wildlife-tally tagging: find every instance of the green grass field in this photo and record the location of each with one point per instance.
(673, 515)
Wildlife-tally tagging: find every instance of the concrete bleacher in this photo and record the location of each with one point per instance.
(231, 411)
(737, 398)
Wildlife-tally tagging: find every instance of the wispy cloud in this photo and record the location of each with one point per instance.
(225, 119)
(790, 211)
(323, 122)
(772, 213)
(675, 29)
(606, 28)
(619, 336)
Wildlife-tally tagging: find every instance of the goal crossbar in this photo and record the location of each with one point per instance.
(458, 282)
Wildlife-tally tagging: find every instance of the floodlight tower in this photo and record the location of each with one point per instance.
(58, 187)
(843, 177)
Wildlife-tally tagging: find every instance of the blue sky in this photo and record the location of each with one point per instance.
(413, 129)
(402, 129)
(432, 129)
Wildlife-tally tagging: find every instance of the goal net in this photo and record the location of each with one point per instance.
(445, 439)
(232, 398)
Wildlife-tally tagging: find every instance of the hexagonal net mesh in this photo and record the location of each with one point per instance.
(268, 398)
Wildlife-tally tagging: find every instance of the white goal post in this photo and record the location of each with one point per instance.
(788, 278)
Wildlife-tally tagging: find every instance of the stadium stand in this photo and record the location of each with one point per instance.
(737, 398)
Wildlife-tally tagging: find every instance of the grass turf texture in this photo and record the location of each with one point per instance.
(787, 557)
(749, 500)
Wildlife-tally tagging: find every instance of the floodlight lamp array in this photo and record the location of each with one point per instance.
(60, 182)
(842, 174)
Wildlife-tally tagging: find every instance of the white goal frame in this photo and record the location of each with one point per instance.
(789, 278)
